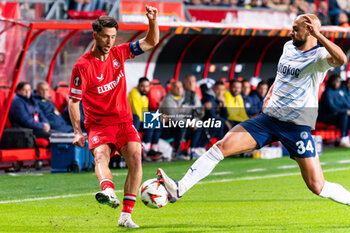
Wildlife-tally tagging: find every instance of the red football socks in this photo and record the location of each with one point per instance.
(106, 183)
(128, 202)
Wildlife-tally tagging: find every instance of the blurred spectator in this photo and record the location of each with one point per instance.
(246, 90)
(42, 98)
(66, 117)
(276, 4)
(343, 19)
(177, 106)
(206, 2)
(216, 2)
(139, 101)
(25, 112)
(139, 104)
(215, 108)
(226, 3)
(253, 3)
(195, 2)
(233, 2)
(346, 88)
(256, 99)
(235, 103)
(334, 108)
(191, 89)
(336, 7)
(312, 8)
(299, 7)
(323, 13)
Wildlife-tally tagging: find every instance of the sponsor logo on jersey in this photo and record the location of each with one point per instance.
(111, 85)
(77, 81)
(100, 78)
(116, 64)
(288, 70)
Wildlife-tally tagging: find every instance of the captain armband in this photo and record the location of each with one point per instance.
(135, 48)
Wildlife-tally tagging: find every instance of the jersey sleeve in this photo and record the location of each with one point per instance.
(77, 84)
(322, 63)
(123, 52)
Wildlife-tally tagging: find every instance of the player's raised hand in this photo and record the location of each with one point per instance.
(311, 26)
(79, 140)
(151, 12)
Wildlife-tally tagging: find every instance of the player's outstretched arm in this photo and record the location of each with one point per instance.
(74, 115)
(152, 37)
(336, 56)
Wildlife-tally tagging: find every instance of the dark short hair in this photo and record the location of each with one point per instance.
(262, 83)
(245, 80)
(217, 83)
(104, 21)
(20, 85)
(234, 81)
(331, 79)
(143, 79)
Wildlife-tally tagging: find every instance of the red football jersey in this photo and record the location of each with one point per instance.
(102, 87)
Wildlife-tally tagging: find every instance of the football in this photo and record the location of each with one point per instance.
(153, 194)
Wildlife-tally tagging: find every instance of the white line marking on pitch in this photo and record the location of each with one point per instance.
(323, 163)
(343, 161)
(25, 174)
(50, 198)
(220, 173)
(205, 182)
(119, 174)
(267, 176)
(287, 166)
(256, 170)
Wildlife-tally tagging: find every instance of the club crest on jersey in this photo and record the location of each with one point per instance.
(95, 139)
(116, 64)
(304, 135)
(77, 81)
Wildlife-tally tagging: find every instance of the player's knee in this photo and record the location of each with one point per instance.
(221, 145)
(224, 147)
(315, 187)
(101, 157)
(134, 160)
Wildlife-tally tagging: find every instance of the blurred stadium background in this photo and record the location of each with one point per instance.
(40, 40)
(221, 40)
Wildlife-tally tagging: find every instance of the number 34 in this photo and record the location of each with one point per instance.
(301, 147)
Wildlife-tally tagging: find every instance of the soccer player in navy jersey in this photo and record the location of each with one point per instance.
(98, 80)
(289, 114)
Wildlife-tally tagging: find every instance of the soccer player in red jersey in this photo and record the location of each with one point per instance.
(98, 80)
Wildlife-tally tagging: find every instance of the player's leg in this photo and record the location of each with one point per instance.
(313, 176)
(238, 140)
(132, 154)
(107, 195)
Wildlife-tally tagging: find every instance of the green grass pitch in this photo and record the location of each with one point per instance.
(241, 195)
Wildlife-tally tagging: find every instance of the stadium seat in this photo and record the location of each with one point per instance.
(61, 101)
(155, 94)
(328, 133)
(91, 15)
(198, 92)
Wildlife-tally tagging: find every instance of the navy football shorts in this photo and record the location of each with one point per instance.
(296, 138)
